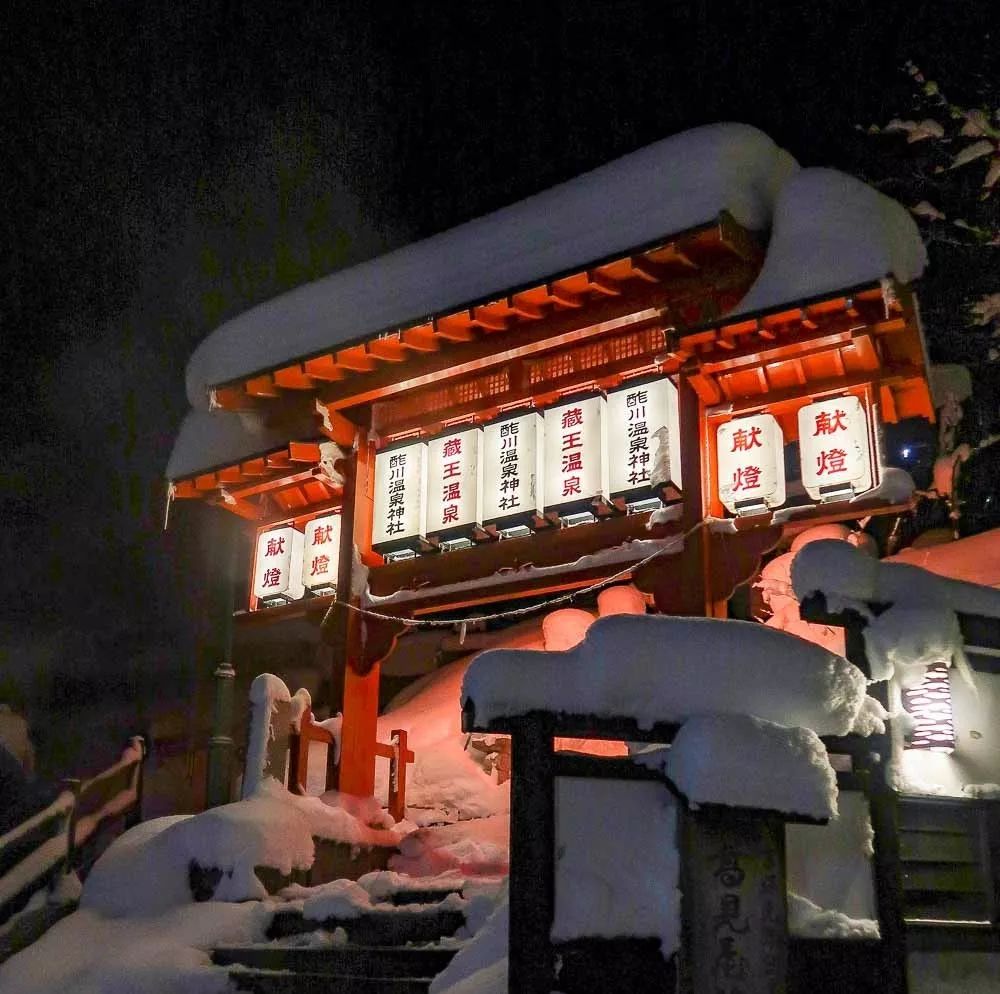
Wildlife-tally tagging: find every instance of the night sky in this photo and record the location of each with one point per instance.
(166, 166)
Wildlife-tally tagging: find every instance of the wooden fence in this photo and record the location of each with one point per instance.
(65, 837)
(308, 731)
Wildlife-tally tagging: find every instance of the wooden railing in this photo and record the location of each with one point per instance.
(69, 834)
(309, 731)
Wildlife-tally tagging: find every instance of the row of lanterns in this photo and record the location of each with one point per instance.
(289, 563)
(514, 470)
(511, 472)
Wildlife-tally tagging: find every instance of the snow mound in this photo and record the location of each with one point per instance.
(146, 869)
(88, 953)
(600, 893)
(470, 848)
(832, 232)
(845, 574)
(444, 782)
(906, 640)
(480, 967)
(808, 920)
(745, 762)
(667, 669)
(667, 187)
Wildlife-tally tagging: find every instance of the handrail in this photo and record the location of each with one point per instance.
(50, 842)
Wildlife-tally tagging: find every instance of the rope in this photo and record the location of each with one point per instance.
(517, 612)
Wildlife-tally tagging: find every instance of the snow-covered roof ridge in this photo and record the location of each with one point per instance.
(667, 187)
(832, 232)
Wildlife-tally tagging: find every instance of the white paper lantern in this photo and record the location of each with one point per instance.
(751, 463)
(278, 566)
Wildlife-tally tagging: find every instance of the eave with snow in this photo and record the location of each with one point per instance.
(708, 259)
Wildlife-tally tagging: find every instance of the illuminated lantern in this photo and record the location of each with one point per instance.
(643, 454)
(400, 485)
(929, 705)
(835, 449)
(751, 464)
(454, 487)
(321, 554)
(513, 450)
(576, 469)
(278, 566)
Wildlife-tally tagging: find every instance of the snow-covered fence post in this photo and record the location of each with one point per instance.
(734, 907)
(220, 746)
(72, 785)
(269, 733)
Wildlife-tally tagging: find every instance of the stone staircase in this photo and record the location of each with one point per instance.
(393, 949)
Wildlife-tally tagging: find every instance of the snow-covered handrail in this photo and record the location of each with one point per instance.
(34, 853)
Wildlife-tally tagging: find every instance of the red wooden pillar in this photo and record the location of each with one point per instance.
(361, 681)
(694, 474)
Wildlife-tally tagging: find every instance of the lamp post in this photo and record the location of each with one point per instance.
(219, 778)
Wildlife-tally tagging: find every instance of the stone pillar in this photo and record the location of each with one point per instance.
(734, 905)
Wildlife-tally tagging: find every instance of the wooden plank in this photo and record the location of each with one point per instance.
(421, 339)
(936, 847)
(294, 378)
(356, 359)
(325, 368)
(957, 817)
(262, 386)
(952, 878)
(389, 349)
(938, 906)
(304, 452)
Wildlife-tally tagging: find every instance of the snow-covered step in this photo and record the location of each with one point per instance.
(355, 961)
(286, 982)
(375, 928)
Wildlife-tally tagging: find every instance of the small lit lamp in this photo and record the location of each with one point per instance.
(929, 705)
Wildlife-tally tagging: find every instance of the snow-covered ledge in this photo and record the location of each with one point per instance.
(663, 669)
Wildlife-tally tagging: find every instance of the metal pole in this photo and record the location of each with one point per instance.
(219, 779)
(220, 745)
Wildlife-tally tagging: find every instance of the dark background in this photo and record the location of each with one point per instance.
(165, 166)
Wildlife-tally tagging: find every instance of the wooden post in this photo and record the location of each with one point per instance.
(532, 857)
(73, 785)
(884, 812)
(697, 556)
(734, 903)
(134, 815)
(356, 773)
(401, 756)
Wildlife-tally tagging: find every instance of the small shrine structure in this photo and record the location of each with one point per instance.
(652, 372)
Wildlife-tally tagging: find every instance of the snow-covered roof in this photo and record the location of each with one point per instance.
(831, 232)
(667, 187)
(209, 439)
